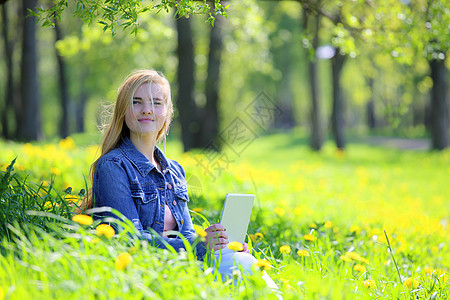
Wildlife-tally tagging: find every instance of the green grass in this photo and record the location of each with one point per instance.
(344, 201)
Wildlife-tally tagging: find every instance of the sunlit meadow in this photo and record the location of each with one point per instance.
(318, 226)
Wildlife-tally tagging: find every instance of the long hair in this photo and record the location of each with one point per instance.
(117, 130)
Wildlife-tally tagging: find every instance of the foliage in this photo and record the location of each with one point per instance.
(20, 199)
(317, 227)
(125, 14)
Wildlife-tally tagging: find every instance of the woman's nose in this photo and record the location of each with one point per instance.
(147, 109)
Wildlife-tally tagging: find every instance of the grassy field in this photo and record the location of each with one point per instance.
(318, 226)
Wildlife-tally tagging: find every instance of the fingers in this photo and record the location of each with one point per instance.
(218, 247)
(215, 227)
(216, 237)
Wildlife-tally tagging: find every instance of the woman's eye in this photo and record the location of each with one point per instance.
(136, 102)
(157, 103)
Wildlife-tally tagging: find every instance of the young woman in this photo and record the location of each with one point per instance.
(134, 176)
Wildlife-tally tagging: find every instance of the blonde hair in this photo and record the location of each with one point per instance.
(117, 130)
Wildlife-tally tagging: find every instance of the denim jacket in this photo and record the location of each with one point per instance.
(126, 180)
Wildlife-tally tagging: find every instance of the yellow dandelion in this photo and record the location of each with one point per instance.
(309, 237)
(106, 230)
(298, 210)
(429, 270)
(353, 255)
(2, 295)
(279, 211)
(199, 230)
(313, 225)
(328, 224)
(67, 143)
(359, 268)
(345, 258)
(83, 219)
(286, 283)
(259, 235)
(355, 229)
(263, 264)
(369, 283)
(285, 249)
(411, 283)
(356, 256)
(123, 260)
(55, 171)
(48, 205)
(197, 209)
(303, 252)
(235, 246)
(252, 237)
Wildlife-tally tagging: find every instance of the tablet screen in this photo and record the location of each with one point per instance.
(236, 213)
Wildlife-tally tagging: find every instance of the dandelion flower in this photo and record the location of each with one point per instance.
(197, 209)
(302, 253)
(309, 237)
(359, 268)
(313, 225)
(106, 230)
(355, 229)
(202, 233)
(279, 211)
(369, 283)
(259, 235)
(55, 171)
(122, 260)
(328, 224)
(345, 258)
(411, 283)
(83, 219)
(285, 249)
(429, 270)
(263, 264)
(48, 205)
(353, 255)
(235, 246)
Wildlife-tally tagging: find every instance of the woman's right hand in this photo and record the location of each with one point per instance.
(216, 237)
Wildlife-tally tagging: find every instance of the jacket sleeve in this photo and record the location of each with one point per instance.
(111, 188)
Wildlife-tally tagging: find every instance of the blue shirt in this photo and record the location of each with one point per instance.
(127, 181)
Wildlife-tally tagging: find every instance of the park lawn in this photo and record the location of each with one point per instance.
(319, 221)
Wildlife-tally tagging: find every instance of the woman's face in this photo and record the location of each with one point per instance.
(148, 111)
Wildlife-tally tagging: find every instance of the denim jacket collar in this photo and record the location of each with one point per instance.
(142, 164)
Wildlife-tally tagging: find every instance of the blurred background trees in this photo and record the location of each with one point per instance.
(339, 68)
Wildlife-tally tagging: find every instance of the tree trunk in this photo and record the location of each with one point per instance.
(337, 116)
(63, 89)
(439, 109)
(29, 123)
(316, 138)
(370, 108)
(185, 102)
(9, 92)
(211, 120)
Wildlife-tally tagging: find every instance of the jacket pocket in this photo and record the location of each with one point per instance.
(181, 193)
(141, 196)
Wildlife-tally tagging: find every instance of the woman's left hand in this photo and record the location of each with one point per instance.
(245, 250)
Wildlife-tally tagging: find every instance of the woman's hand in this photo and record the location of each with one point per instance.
(245, 250)
(216, 237)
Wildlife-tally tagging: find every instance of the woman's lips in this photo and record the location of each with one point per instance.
(146, 120)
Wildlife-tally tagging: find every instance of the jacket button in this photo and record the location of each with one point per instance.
(182, 221)
(174, 202)
(169, 186)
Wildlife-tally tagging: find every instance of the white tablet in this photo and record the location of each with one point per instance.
(236, 213)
